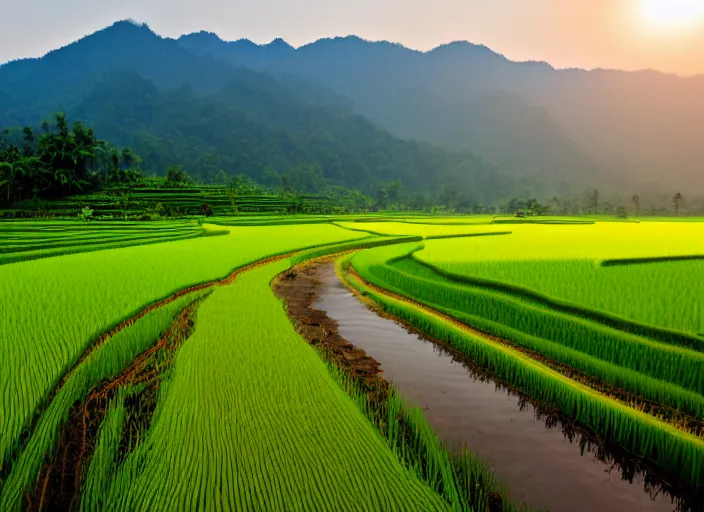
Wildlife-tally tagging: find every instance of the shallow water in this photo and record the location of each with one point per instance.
(539, 465)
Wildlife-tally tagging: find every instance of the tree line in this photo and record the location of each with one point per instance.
(59, 161)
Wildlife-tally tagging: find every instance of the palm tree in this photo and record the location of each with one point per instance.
(11, 175)
(7, 179)
(594, 201)
(128, 158)
(636, 202)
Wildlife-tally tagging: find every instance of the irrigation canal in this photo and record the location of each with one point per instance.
(539, 465)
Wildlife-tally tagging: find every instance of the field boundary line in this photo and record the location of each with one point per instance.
(160, 303)
(467, 235)
(229, 279)
(516, 351)
(622, 262)
(36, 254)
(670, 337)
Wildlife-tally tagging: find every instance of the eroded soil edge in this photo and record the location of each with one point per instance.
(59, 485)
(298, 288)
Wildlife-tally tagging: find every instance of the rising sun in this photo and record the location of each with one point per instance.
(673, 13)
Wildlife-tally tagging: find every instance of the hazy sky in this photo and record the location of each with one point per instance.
(628, 34)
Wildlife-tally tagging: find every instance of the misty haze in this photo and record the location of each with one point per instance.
(329, 256)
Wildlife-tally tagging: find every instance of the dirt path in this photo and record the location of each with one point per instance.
(298, 289)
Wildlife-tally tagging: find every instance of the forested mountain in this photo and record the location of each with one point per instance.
(263, 130)
(213, 119)
(637, 128)
(347, 110)
(404, 92)
(33, 88)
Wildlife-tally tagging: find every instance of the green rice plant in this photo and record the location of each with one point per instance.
(364, 243)
(23, 242)
(250, 418)
(104, 459)
(593, 348)
(460, 478)
(87, 241)
(659, 295)
(53, 309)
(34, 254)
(105, 362)
(678, 453)
(416, 229)
(562, 263)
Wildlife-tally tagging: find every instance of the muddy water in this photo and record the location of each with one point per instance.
(537, 464)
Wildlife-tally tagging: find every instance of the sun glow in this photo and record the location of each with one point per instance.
(672, 14)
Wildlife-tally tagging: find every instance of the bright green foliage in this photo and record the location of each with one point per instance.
(166, 201)
(248, 417)
(677, 452)
(251, 419)
(318, 252)
(52, 309)
(28, 240)
(424, 230)
(562, 262)
(355, 220)
(598, 241)
(664, 294)
(659, 371)
(459, 477)
(104, 363)
(103, 461)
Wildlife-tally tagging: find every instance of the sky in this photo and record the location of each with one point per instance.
(667, 35)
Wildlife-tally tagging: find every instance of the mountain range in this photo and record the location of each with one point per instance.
(641, 127)
(458, 117)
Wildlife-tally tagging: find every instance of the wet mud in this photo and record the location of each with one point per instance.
(59, 485)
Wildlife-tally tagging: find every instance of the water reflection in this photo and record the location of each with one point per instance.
(544, 458)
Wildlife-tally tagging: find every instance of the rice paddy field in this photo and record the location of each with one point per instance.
(150, 365)
(25, 240)
(121, 201)
(648, 272)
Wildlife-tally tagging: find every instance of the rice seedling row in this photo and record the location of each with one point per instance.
(110, 358)
(246, 415)
(62, 321)
(570, 264)
(685, 339)
(40, 443)
(677, 452)
(45, 435)
(677, 365)
(267, 426)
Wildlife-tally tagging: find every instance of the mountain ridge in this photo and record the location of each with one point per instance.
(635, 125)
(175, 108)
(464, 42)
(546, 129)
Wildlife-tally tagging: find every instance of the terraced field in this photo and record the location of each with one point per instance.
(62, 321)
(543, 291)
(119, 201)
(25, 240)
(601, 266)
(150, 367)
